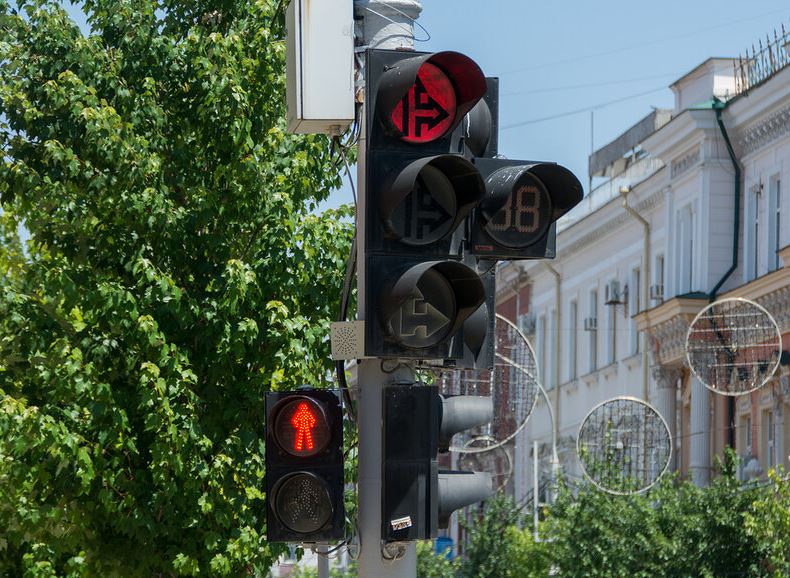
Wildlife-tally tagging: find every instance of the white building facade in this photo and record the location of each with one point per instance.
(646, 251)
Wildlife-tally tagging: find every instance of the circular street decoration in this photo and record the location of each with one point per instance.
(513, 385)
(301, 427)
(426, 316)
(624, 446)
(427, 111)
(488, 456)
(526, 215)
(302, 503)
(733, 346)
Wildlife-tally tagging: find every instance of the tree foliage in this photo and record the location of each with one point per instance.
(677, 529)
(174, 273)
(498, 548)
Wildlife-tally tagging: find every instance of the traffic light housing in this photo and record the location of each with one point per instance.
(524, 199)
(419, 194)
(418, 497)
(304, 466)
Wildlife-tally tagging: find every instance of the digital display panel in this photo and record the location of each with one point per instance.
(525, 216)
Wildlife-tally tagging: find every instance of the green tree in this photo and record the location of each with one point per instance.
(498, 548)
(768, 522)
(675, 529)
(432, 565)
(174, 273)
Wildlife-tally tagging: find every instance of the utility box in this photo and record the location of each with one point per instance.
(320, 66)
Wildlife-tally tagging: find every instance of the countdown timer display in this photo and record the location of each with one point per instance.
(525, 216)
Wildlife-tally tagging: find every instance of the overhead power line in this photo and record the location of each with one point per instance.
(579, 110)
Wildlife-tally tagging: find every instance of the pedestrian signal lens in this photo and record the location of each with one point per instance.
(301, 428)
(303, 503)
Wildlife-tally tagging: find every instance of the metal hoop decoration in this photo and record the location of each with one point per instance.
(616, 464)
(524, 374)
(733, 346)
(497, 454)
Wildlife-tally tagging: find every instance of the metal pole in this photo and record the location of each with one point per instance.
(381, 24)
(323, 560)
(535, 483)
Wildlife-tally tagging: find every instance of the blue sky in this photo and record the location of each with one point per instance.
(556, 57)
(553, 58)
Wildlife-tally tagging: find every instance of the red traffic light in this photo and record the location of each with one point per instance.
(301, 427)
(426, 112)
(423, 98)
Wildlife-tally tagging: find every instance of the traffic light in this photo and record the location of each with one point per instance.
(304, 466)
(418, 497)
(517, 218)
(419, 192)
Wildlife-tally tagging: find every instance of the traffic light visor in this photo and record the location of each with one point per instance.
(430, 301)
(429, 198)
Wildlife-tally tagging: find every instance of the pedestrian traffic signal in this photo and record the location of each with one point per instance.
(304, 466)
(418, 497)
(418, 193)
(517, 219)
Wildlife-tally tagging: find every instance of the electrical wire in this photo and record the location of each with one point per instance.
(641, 44)
(580, 110)
(414, 21)
(588, 85)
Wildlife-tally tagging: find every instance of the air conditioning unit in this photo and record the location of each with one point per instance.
(613, 294)
(591, 324)
(527, 324)
(657, 292)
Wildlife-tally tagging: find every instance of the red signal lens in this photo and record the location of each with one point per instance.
(427, 111)
(301, 427)
(303, 421)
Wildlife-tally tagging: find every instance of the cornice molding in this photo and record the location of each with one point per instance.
(684, 162)
(610, 225)
(761, 133)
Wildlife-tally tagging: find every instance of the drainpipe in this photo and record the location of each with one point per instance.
(645, 282)
(557, 286)
(719, 106)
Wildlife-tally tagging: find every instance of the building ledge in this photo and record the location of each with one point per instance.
(633, 360)
(570, 387)
(590, 379)
(609, 371)
(687, 305)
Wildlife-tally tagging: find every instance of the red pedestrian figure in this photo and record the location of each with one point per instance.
(303, 421)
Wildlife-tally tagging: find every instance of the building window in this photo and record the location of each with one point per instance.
(685, 250)
(573, 326)
(634, 307)
(752, 248)
(745, 437)
(611, 328)
(658, 276)
(774, 222)
(770, 439)
(593, 334)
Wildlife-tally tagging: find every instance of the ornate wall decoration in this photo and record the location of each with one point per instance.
(765, 131)
(683, 163)
(669, 339)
